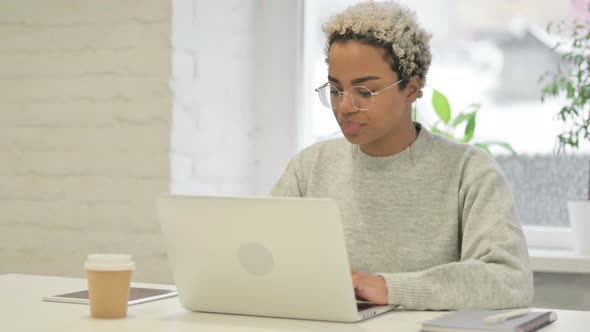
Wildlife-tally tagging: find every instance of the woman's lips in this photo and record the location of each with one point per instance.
(351, 127)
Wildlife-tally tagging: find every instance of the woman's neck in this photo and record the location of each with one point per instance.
(403, 138)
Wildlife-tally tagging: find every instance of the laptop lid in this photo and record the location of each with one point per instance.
(266, 256)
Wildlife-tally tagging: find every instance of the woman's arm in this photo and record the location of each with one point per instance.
(289, 184)
(493, 270)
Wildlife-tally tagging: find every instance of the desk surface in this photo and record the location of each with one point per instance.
(22, 309)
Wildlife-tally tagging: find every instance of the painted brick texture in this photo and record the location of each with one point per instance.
(85, 134)
(213, 84)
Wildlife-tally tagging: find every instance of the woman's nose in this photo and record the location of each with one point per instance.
(346, 104)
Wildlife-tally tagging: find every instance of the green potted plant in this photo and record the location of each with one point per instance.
(448, 125)
(571, 81)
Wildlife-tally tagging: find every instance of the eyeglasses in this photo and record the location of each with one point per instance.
(360, 97)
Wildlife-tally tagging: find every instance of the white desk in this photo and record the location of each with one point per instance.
(21, 309)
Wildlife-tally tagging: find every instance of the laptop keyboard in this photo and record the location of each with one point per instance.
(360, 306)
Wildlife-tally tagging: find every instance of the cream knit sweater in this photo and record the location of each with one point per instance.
(436, 220)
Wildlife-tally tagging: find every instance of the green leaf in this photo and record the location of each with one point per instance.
(437, 131)
(501, 144)
(459, 119)
(506, 146)
(474, 107)
(554, 88)
(470, 128)
(571, 91)
(414, 113)
(441, 106)
(484, 147)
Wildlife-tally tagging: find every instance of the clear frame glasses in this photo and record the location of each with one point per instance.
(360, 97)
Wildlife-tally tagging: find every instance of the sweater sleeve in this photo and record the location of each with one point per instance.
(493, 271)
(289, 184)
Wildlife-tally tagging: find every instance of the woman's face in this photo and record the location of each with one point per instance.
(385, 127)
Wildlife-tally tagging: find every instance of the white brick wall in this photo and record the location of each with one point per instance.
(84, 133)
(213, 123)
(89, 127)
(235, 79)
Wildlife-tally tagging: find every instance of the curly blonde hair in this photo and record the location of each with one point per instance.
(388, 25)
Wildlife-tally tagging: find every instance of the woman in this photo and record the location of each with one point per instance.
(429, 223)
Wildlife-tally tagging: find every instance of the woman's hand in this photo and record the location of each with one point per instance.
(370, 287)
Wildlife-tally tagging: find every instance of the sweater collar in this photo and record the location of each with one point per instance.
(399, 161)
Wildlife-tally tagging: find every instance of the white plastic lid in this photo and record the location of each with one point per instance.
(109, 262)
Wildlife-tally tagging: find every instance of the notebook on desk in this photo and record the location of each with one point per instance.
(479, 321)
(271, 256)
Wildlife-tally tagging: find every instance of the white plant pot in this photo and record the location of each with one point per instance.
(579, 212)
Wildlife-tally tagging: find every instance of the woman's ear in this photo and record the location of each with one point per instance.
(412, 91)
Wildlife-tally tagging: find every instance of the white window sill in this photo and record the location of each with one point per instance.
(551, 249)
(559, 261)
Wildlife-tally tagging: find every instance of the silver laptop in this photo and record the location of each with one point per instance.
(276, 257)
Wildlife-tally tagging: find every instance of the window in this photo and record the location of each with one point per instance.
(491, 53)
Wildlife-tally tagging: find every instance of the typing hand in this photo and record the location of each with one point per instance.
(369, 287)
